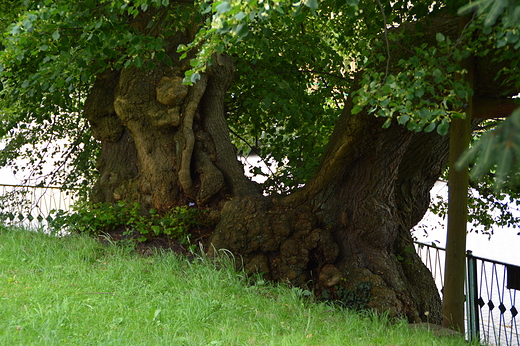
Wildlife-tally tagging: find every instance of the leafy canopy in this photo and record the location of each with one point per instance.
(296, 63)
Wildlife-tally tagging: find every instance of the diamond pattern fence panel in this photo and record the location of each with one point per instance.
(491, 287)
(31, 206)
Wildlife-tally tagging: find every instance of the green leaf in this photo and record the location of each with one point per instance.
(512, 36)
(223, 7)
(430, 127)
(161, 56)
(443, 127)
(440, 37)
(242, 30)
(413, 126)
(207, 8)
(240, 15)
(356, 109)
(156, 229)
(313, 4)
(403, 119)
(194, 77)
(55, 35)
(424, 113)
(462, 93)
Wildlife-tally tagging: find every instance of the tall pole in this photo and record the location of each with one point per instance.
(453, 301)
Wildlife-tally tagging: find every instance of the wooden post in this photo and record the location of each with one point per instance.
(453, 301)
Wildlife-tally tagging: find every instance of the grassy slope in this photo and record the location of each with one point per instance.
(75, 291)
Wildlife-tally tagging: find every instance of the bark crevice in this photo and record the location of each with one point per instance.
(220, 77)
(188, 135)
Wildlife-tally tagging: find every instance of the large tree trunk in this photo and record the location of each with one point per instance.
(352, 222)
(165, 144)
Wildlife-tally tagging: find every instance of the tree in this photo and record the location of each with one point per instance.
(161, 94)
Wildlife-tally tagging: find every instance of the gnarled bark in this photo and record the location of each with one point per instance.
(349, 219)
(178, 136)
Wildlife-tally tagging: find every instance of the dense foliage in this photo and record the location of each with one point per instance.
(295, 62)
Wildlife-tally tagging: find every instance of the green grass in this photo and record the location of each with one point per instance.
(75, 291)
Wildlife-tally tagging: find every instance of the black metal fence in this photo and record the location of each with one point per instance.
(491, 287)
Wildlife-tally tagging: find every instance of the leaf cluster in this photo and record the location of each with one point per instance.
(104, 217)
(425, 94)
(52, 53)
(290, 88)
(495, 155)
(498, 152)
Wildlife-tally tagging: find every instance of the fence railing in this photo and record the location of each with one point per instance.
(491, 288)
(31, 205)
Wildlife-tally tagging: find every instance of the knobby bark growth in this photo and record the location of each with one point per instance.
(165, 144)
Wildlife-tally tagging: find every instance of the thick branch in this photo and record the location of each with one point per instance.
(220, 77)
(189, 138)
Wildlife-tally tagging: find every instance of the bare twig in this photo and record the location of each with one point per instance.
(252, 148)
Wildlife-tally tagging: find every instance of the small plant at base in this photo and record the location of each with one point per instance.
(105, 217)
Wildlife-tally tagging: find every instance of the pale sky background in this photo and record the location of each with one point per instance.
(504, 244)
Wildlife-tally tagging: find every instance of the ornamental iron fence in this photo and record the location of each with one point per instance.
(491, 288)
(31, 206)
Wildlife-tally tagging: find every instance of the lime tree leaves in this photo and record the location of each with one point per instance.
(88, 37)
(50, 53)
(426, 91)
(306, 53)
(495, 156)
(497, 153)
(228, 22)
(288, 92)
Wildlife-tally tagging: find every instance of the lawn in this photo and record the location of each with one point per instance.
(73, 290)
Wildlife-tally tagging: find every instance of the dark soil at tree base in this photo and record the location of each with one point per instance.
(198, 237)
